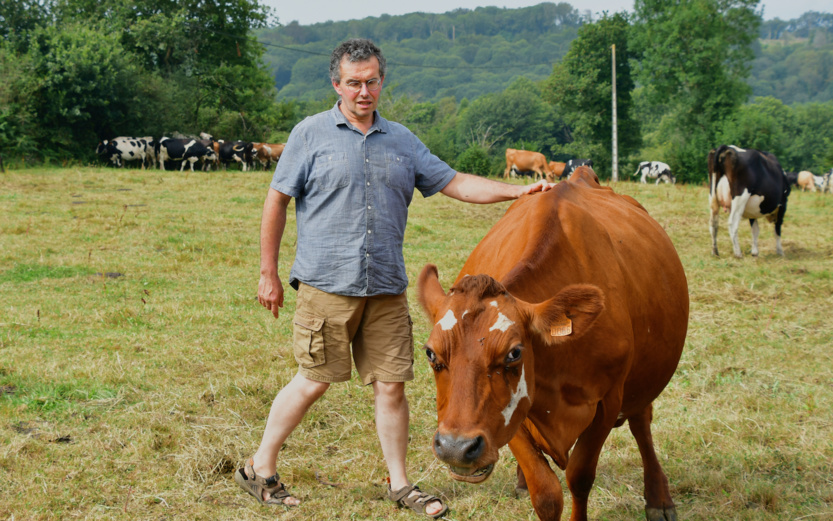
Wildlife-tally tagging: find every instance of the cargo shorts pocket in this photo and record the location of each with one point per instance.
(309, 340)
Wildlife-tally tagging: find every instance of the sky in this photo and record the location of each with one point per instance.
(307, 12)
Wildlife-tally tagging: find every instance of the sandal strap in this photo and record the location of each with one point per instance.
(416, 503)
(268, 483)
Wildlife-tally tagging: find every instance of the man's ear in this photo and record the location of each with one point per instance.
(568, 315)
(431, 294)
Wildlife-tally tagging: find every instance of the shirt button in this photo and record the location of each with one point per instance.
(367, 255)
(368, 183)
(369, 231)
(368, 208)
(367, 160)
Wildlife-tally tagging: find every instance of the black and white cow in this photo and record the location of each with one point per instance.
(655, 170)
(123, 149)
(183, 150)
(573, 164)
(237, 151)
(750, 184)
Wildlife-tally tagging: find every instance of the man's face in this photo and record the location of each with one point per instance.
(359, 106)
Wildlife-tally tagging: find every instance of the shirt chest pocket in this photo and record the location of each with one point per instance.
(330, 172)
(399, 172)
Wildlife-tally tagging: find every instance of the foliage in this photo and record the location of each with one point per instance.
(581, 85)
(474, 160)
(695, 54)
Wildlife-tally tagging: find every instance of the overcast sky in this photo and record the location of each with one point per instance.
(308, 12)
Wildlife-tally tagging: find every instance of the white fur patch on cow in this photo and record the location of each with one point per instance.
(753, 207)
(448, 321)
(737, 148)
(493, 303)
(519, 394)
(503, 323)
(466, 312)
(724, 196)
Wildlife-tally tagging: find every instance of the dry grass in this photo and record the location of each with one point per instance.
(134, 395)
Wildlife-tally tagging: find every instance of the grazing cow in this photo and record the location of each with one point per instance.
(557, 168)
(525, 160)
(237, 151)
(826, 185)
(265, 153)
(807, 181)
(567, 320)
(573, 164)
(123, 149)
(792, 178)
(751, 184)
(655, 170)
(183, 150)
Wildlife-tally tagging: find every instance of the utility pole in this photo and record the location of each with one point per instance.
(615, 171)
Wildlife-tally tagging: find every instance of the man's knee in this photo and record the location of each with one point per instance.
(312, 388)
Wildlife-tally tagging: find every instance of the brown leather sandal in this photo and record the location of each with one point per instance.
(257, 485)
(418, 502)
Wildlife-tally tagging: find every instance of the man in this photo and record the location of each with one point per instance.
(353, 175)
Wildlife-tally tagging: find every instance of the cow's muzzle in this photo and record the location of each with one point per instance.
(461, 455)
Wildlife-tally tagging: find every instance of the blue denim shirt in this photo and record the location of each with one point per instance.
(352, 193)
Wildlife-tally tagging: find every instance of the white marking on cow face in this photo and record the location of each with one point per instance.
(448, 321)
(519, 394)
(502, 323)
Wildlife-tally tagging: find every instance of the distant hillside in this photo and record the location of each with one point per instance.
(467, 53)
(463, 53)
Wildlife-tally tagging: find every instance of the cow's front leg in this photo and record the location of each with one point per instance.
(755, 231)
(581, 469)
(658, 503)
(543, 485)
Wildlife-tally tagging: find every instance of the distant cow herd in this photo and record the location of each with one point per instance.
(168, 153)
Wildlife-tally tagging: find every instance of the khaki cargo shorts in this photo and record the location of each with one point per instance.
(379, 329)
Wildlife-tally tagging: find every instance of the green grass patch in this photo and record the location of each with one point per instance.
(136, 395)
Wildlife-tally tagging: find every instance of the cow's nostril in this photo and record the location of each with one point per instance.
(458, 449)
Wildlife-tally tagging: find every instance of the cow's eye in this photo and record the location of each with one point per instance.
(431, 356)
(514, 355)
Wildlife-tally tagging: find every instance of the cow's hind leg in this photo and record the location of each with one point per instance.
(658, 503)
(714, 219)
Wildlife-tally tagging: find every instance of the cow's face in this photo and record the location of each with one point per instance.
(481, 349)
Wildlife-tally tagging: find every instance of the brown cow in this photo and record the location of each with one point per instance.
(806, 181)
(557, 169)
(571, 323)
(527, 161)
(265, 153)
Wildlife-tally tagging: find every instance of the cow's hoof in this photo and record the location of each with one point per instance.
(659, 514)
(754, 254)
(521, 493)
(714, 252)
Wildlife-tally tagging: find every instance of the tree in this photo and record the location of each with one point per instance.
(580, 87)
(695, 54)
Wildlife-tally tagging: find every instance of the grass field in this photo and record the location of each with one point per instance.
(137, 368)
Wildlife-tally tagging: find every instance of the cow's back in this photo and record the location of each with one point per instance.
(581, 232)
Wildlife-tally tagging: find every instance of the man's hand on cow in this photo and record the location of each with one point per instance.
(540, 186)
(270, 293)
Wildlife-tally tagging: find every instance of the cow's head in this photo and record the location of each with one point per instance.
(481, 350)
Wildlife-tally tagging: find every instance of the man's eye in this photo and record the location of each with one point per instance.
(372, 84)
(353, 84)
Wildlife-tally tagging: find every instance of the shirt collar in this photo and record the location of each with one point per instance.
(380, 124)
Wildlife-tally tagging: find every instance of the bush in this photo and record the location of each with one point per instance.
(474, 160)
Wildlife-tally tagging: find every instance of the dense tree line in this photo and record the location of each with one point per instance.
(75, 72)
(470, 83)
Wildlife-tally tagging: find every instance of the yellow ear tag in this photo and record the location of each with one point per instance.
(562, 327)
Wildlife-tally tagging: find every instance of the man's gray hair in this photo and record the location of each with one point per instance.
(356, 50)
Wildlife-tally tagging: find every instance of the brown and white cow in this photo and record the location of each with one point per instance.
(567, 320)
(266, 153)
(750, 184)
(527, 161)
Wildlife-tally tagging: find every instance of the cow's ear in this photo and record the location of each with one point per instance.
(568, 315)
(431, 294)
